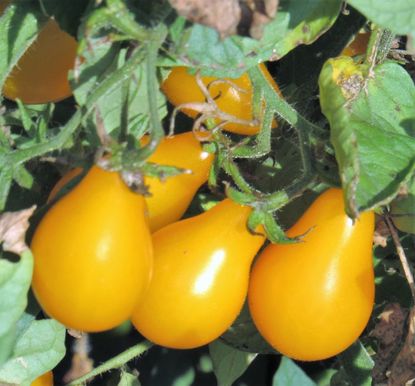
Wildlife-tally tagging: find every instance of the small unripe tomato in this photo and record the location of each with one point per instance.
(44, 380)
(200, 278)
(41, 74)
(181, 87)
(312, 299)
(93, 254)
(170, 198)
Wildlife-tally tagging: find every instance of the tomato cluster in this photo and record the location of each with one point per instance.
(184, 286)
(104, 254)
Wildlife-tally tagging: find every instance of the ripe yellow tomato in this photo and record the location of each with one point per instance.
(311, 300)
(200, 278)
(170, 198)
(181, 87)
(358, 45)
(93, 254)
(44, 380)
(41, 74)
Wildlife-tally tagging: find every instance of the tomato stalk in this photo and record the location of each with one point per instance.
(380, 42)
(115, 362)
(157, 132)
(401, 253)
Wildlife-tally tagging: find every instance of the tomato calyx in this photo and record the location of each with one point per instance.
(262, 221)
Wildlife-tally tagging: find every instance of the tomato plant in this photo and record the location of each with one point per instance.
(232, 96)
(92, 229)
(41, 74)
(246, 167)
(325, 282)
(201, 270)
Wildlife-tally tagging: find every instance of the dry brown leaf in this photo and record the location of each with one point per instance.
(13, 227)
(228, 17)
(258, 13)
(389, 332)
(222, 15)
(402, 372)
(380, 238)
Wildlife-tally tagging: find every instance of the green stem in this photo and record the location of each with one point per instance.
(282, 108)
(157, 132)
(233, 170)
(379, 45)
(123, 20)
(303, 128)
(115, 362)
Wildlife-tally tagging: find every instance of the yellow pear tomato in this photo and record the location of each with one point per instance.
(200, 278)
(93, 254)
(311, 300)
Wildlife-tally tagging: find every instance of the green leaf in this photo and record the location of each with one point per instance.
(228, 363)
(39, 348)
(397, 15)
(356, 367)
(96, 64)
(371, 114)
(15, 279)
(289, 374)
(111, 106)
(6, 179)
(128, 379)
(7, 341)
(402, 209)
(324, 377)
(297, 22)
(185, 379)
(19, 26)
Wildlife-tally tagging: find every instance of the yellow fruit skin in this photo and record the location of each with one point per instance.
(311, 300)
(200, 280)
(41, 74)
(44, 380)
(93, 254)
(170, 198)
